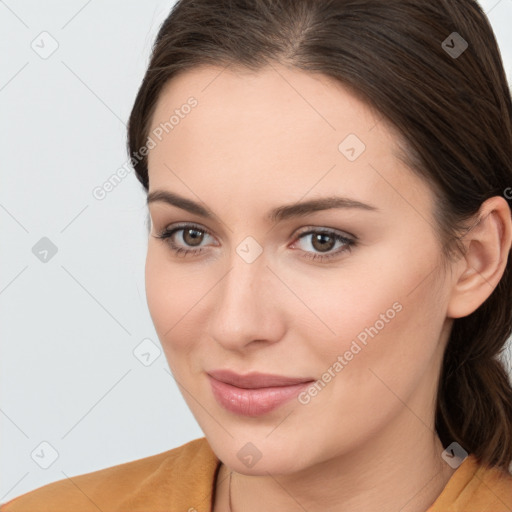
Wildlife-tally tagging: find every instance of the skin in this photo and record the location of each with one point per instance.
(256, 141)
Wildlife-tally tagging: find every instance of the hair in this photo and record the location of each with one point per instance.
(452, 115)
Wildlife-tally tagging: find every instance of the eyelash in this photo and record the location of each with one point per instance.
(167, 233)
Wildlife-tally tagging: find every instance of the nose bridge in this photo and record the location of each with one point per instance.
(243, 310)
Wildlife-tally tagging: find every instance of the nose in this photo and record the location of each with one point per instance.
(246, 310)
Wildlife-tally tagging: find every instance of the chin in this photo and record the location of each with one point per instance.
(260, 456)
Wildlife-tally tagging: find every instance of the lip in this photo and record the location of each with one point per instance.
(255, 380)
(255, 393)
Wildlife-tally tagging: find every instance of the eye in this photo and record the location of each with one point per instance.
(191, 236)
(324, 240)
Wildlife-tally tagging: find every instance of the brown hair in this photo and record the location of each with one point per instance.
(453, 115)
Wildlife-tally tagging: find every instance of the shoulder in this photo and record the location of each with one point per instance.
(491, 487)
(183, 475)
(476, 487)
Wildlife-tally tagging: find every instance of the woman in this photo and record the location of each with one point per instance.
(329, 228)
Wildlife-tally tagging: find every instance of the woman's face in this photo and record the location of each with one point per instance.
(367, 322)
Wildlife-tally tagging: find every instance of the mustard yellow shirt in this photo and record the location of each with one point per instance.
(183, 480)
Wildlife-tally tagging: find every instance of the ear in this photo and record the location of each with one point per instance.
(487, 247)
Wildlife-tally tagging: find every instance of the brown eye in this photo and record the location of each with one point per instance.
(192, 237)
(323, 242)
(185, 239)
(320, 244)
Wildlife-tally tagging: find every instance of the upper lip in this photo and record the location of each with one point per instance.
(255, 379)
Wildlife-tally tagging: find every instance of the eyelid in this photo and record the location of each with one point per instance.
(176, 226)
(320, 229)
(190, 225)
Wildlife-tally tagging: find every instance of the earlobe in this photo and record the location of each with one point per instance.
(487, 246)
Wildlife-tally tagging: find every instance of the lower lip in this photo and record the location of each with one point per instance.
(254, 402)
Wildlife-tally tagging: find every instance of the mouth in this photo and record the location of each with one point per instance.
(256, 380)
(256, 393)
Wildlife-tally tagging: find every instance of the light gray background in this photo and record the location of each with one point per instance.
(69, 376)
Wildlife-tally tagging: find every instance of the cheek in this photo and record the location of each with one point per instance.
(375, 363)
(167, 295)
(386, 313)
(176, 297)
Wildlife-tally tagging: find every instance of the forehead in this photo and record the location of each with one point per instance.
(301, 133)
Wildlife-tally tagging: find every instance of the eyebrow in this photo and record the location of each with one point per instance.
(275, 215)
